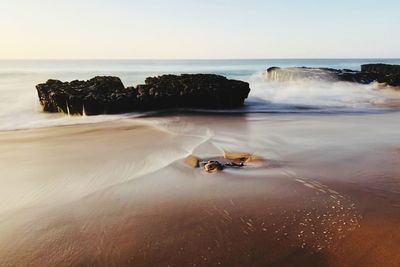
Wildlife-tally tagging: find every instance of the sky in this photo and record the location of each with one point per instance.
(199, 29)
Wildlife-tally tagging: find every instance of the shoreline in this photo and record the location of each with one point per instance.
(126, 210)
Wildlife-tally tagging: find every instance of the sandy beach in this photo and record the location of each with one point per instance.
(199, 133)
(119, 194)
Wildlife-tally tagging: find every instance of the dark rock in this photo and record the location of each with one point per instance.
(389, 74)
(213, 166)
(195, 90)
(96, 96)
(357, 77)
(382, 73)
(272, 69)
(383, 69)
(107, 95)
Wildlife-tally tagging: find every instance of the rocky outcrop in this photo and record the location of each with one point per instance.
(95, 96)
(107, 95)
(389, 74)
(382, 69)
(192, 90)
(382, 73)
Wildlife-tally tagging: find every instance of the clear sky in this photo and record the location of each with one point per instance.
(203, 29)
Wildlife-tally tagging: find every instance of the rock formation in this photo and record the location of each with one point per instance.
(389, 74)
(382, 73)
(107, 95)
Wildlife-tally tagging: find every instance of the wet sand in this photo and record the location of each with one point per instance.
(119, 194)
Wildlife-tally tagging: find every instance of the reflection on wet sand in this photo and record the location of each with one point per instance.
(120, 194)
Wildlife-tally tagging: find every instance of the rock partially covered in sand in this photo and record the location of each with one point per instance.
(229, 160)
(213, 166)
(382, 73)
(107, 95)
(192, 161)
(242, 156)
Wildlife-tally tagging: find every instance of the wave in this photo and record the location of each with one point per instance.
(19, 108)
(309, 94)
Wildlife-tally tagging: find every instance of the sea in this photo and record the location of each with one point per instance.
(20, 108)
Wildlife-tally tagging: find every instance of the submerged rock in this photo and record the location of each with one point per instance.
(323, 74)
(382, 73)
(107, 95)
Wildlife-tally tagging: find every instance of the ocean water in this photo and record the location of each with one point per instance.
(20, 109)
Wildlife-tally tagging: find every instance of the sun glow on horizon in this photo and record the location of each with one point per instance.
(198, 29)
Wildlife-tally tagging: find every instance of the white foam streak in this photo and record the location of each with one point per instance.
(320, 93)
(20, 109)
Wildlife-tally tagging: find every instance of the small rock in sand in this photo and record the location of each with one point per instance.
(192, 161)
(230, 160)
(242, 156)
(213, 166)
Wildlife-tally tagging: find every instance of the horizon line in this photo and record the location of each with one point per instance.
(202, 59)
